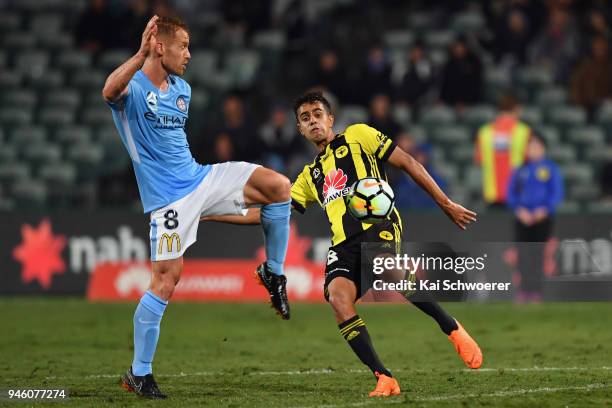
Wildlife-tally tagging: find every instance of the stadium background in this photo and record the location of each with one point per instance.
(68, 200)
(61, 159)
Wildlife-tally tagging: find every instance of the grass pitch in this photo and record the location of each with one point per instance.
(242, 355)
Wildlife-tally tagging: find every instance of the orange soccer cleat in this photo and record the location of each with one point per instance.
(386, 386)
(466, 347)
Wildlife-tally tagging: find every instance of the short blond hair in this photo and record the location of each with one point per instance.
(168, 26)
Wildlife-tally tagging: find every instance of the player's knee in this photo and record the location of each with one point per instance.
(165, 278)
(281, 189)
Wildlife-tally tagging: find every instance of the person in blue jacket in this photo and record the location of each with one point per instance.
(534, 193)
(409, 194)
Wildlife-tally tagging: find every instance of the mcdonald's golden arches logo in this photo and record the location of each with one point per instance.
(169, 240)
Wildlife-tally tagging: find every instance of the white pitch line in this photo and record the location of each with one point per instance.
(509, 393)
(324, 371)
(536, 368)
(213, 373)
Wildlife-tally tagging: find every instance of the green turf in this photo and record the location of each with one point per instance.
(240, 355)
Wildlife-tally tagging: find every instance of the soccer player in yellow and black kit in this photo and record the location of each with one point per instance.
(361, 151)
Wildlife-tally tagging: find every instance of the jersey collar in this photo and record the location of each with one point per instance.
(152, 85)
(329, 147)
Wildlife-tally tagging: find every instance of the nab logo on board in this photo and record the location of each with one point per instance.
(41, 251)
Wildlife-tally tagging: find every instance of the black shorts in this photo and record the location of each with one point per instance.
(347, 260)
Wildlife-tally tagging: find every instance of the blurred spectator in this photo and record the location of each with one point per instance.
(136, 17)
(500, 147)
(405, 142)
(236, 139)
(534, 12)
(596, 25)
(244, 17)
(462, 82)
(408, 194)
(223, 149)
(189, 9)
(279, 140)
(118, 189)
(419, 78)
(163, 8)
(376, 74)
(330, 76)
(512, 39)
(592, 81)
(380, 116)
(605, 182)
(291, 14)
(534, 193)
(235, 25)
(556, 48)
(94, 30)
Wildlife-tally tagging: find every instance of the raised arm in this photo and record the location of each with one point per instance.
(116, 84)
(457, 213)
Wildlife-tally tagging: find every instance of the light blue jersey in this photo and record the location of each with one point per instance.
(151, 123)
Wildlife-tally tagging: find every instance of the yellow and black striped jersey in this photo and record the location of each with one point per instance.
(360, 151)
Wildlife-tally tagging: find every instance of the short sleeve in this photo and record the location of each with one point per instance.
(120, 104)
(301, 193)
(371, 140)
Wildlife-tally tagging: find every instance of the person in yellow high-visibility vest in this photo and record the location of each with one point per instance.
(500, 148)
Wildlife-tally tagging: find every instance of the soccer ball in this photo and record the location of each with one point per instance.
(370, 200)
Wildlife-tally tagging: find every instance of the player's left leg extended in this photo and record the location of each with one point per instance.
(273, 191)
(147, 318)
(465, 345)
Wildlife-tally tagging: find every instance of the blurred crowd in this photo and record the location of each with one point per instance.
(340, 47)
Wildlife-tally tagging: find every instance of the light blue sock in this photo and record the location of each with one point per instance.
(275, 223)
(147, 317)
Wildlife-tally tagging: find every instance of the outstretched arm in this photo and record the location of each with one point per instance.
(457, 213)
(116, 84)
(252, 218)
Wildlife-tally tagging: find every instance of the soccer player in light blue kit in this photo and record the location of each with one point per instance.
(150, 105)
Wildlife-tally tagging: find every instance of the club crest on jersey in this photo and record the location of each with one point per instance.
(334, 186)
(181, 104)
(341, 152)
(152, 101)
(386, 235)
